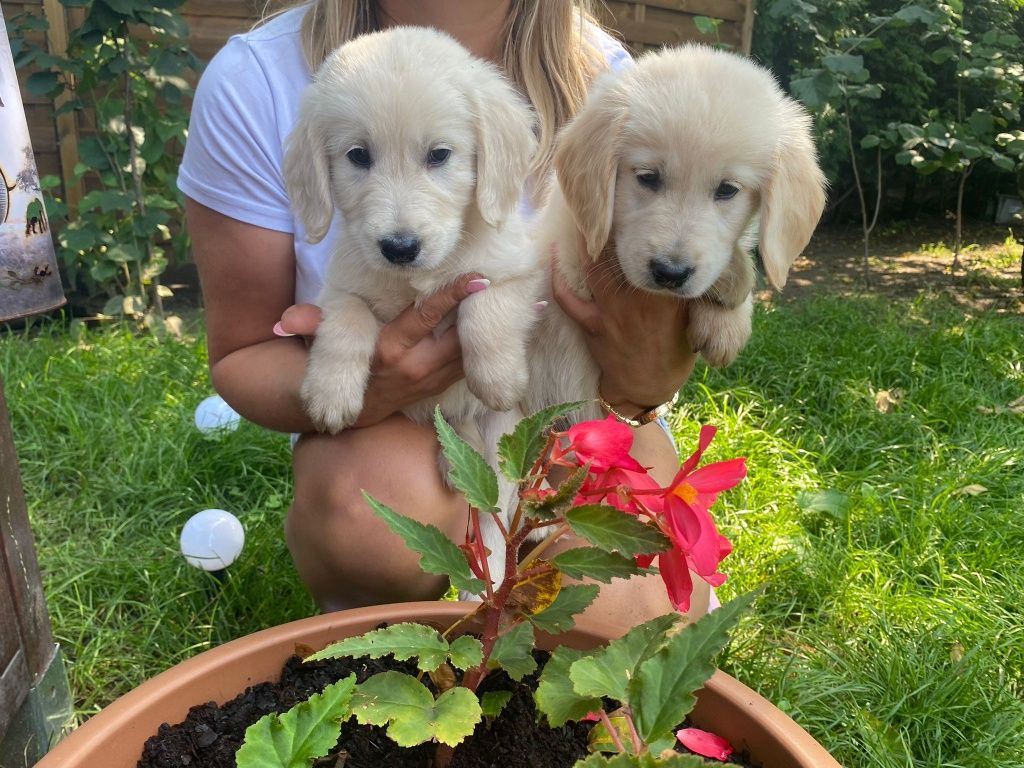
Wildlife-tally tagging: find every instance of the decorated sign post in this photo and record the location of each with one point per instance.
(29, 282)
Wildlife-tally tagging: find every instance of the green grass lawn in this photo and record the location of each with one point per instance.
(891, 626)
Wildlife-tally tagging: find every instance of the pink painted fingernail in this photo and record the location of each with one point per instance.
(475, 286)
(539, 307)
(279, 331)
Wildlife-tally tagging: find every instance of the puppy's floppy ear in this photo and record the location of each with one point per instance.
(307, 175)
(505, 143)
(586, 160)
(793, 199)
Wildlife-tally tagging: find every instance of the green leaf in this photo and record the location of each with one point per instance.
(912, 13)
(614, 530)
(908, 131)
(830, 501)
(1002, 161)
(594, 563)
(560, 500)
(870, 141)
(492, 702)
(815, 88)
(42, 83)
(662, 691)
(403, 641)
(571, 601)
(466, 652)
(706, 25)
(513, 652)
(556, 698)
(305, 732)
(844, 64)
(411, 714)
(438, 553)
(607, 672)
(981, 123)
(645, 760)
(519, 451)
(469, 472)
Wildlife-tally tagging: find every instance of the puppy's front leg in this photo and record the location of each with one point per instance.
(494, 328)
(720, 320)
(718, 332)
(339, 362)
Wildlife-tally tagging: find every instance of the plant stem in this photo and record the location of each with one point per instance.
(960, 216)
(495, 609)
(638, 744)
(474, 517)
(539, 550)
(133, 168)
(612, 733)
(860, 191)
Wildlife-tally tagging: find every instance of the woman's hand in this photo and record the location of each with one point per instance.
(409, 362)
(638, 339)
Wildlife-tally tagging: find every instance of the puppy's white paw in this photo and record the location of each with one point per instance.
(500, 384)
(333, 401)
(719, 333)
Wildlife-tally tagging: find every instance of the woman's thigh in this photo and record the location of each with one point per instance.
(346, 555)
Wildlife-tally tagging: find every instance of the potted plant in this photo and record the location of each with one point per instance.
(637, 690)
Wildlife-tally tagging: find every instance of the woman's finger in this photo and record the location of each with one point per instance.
(299, 320)
(417, 322)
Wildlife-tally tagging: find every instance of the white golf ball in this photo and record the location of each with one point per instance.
(214, 414)
(212, 539)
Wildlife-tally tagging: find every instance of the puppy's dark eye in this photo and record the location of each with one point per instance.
(438, 156)
(649, 179)
(359, 157)
(726, 191)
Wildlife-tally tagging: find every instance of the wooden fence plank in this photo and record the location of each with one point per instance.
(67, 125)
(19, 574)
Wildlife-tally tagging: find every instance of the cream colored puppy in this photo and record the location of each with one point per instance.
(423, 149)
(677, 167)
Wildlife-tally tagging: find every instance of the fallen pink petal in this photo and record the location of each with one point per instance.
(704, 743)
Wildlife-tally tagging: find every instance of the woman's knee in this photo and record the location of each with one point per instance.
(339, 545)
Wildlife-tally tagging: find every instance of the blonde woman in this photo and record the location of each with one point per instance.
(253, 269)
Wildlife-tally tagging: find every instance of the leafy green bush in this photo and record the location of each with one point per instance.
(867, 66)
(125, 70)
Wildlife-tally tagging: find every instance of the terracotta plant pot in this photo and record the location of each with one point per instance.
(114, 737)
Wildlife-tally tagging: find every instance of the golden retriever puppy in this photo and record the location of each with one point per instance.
(423, 149)
(676, 167)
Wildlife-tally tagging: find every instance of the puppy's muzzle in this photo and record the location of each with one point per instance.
(402, 248)
(669, 275)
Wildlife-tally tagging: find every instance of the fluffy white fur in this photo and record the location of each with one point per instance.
(381, 110)
(696, 119)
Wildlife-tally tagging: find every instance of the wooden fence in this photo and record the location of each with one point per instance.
(640, 25)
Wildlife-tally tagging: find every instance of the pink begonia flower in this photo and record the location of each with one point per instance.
(681, 510)
(602, 444)
(686, 520)
(704, 743)
(622, 483)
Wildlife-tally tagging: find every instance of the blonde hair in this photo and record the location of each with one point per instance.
(546, 53)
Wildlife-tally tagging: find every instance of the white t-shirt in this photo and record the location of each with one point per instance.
(244, 108)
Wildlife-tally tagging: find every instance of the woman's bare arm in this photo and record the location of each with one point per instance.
(248, 279)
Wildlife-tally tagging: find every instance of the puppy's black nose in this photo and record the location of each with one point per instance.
(400, 249)
(669, 275)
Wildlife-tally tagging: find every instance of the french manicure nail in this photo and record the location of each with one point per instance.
(279, 331)
(475, 286)
(539, 307)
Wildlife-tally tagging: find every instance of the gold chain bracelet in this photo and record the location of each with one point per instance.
(646, 416)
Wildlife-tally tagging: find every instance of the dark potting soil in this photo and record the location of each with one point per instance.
(211, 734)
